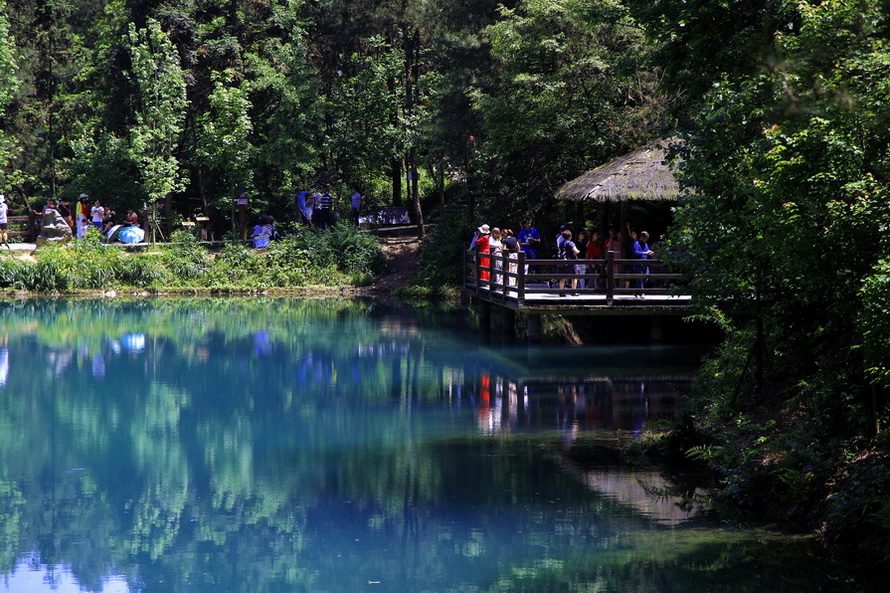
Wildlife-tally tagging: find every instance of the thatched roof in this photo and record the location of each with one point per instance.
(643, 174)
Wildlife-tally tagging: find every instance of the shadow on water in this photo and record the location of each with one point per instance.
(330, 445)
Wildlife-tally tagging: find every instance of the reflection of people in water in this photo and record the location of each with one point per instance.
(262, 345)
(483, 407)
(98, 366)
(4, 366)
(489, 412)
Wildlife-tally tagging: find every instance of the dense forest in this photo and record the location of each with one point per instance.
(781, 108)
(189, 103)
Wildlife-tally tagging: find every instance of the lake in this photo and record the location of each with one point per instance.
(279, 445)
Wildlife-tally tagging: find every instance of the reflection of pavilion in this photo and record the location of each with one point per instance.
(576, 404)
(540, 395)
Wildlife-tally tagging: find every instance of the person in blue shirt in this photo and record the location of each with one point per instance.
(529, 238)
(642, 252)
(325, 207)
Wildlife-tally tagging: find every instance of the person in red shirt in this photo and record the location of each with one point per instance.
(595, 251)
(483, 235)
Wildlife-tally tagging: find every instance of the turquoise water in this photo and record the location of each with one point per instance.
(281, 445)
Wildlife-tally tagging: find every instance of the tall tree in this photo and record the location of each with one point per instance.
(223, 131)
(782, 237)
(573, 88)
(9, 84)
(161, 99)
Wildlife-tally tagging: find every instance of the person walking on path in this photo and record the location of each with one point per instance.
(570, 253)
(4, 222)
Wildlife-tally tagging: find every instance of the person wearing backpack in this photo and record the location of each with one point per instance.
(569, 252)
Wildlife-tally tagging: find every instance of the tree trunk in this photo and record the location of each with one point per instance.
(415, 193)
(412, 71)
(396, 182)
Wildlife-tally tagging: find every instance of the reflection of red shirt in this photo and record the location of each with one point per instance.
(594, 250)
(484, 407)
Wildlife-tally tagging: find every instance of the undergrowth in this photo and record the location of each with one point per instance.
(337, 256)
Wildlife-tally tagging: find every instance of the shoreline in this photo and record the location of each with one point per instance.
(402, 254)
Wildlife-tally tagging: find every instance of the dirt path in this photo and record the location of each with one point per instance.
(403, 256)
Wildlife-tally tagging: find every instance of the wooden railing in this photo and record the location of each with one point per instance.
(23, 226)
(513, 277)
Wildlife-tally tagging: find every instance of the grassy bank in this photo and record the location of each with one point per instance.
(338, 257)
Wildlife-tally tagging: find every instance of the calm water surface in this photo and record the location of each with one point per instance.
(285, 445)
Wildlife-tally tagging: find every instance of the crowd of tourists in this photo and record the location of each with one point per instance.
(63, 220)
(319, 210)
(575, 249)
(315, 210)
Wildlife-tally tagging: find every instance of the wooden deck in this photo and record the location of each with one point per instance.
(609, 286)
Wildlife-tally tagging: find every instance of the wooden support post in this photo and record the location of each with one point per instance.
(656, 329)
(535, 333)
(484, 313)
(484, 321)
(508, 324)
(610, 277)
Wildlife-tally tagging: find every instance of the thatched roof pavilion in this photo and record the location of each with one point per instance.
(644, 174)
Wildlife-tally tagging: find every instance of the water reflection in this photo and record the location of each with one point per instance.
(574, 405)
(295, 445)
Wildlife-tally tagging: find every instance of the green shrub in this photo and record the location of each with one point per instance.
(142, 271)
(353, 252)
(441, 256)
(185, 257)
(15, 273)
(336, 256)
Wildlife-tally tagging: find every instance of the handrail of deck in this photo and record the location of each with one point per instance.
(513, 277)
(22, 226)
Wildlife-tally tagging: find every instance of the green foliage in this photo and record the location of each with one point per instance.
(15, 273)
(442, 254)
(858, 507)
(159, 118)
(571, 91)
(783, 234)
(223, 144)
(185, 258)
(339, 255)
(874, 324)
(9, 83)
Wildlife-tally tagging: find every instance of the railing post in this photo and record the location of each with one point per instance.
(463, 272)
(505, 269)
(610, 277)
(520, 278)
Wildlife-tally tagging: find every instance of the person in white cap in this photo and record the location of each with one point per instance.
(4, 222)
(483, 236)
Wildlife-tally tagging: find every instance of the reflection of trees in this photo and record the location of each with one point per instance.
(242, 445)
